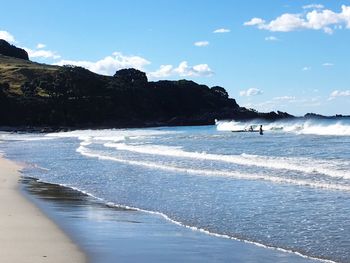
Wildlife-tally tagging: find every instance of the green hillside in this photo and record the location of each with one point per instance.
(16, 72)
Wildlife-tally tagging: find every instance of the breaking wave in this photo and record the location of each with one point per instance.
(233, 174)
(330, 127)
(325, 167)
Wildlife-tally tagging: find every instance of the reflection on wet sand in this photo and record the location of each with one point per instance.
(108, 234)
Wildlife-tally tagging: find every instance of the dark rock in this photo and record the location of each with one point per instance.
(69, 96)
(319, 116)
(7, 49)
(220, 91)
(313, 116)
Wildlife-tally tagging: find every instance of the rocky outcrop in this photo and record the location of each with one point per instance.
(9, 50)
(319, 116)
(33, 94)
(73, 96)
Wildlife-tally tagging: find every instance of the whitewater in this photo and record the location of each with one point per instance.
(288, 189)
(332, 127)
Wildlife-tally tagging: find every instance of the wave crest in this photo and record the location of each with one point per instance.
(315, 127)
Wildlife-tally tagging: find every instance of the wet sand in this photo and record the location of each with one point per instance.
(26, 234)
(114, 234)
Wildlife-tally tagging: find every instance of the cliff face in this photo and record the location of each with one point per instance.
(7, 49)
(73, 96)
(33, 94)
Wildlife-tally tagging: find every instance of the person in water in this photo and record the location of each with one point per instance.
(261, 130)
(251, 129)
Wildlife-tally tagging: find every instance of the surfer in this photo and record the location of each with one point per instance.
(251, 129)
(261, 130)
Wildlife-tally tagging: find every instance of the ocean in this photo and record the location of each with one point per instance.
(288, 189)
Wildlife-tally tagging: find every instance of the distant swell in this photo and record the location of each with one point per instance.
(327, 168)
(238, 175)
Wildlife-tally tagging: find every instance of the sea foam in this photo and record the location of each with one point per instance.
(330, 127)
(233, 174)
(325, 167)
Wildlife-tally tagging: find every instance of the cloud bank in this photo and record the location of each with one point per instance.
(182, 70)
(110, 64)
(317, 19)
(339, 93)
(7, 36)
(41, 53)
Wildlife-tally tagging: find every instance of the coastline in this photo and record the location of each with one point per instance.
(174, 122)
(109, 232)
(27, 235)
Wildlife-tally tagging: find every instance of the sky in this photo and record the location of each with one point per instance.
(269, 55)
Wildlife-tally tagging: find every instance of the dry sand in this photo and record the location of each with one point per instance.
(26, 234)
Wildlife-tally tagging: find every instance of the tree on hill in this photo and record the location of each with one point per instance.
(220, 91)
(131, 76)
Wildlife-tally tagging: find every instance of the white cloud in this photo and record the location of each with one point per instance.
(306, 68)
(313, 6)
(200, 70)
(110, 64)
(284, 23)
(271, 38)
(41, 53)
(162, 72)
(284, 98)
(201, 43)
(40, 45)
(339, 93)
(7, 36)
(325, 19)
(327, 64)
(250, 92)
(222, 30)
(182, 70)
(255, 22)
(38, 53)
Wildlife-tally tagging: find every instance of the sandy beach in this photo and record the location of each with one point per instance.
(26, 234)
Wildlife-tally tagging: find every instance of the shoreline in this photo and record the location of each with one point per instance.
(155, 124)
(27, 234)
(136, 235)
(118, 232)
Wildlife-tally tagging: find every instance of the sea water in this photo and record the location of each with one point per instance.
(287, 189)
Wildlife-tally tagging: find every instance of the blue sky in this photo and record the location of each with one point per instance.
(269, 55)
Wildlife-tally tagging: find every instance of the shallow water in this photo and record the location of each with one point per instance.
(286, 189)
(110, 234)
